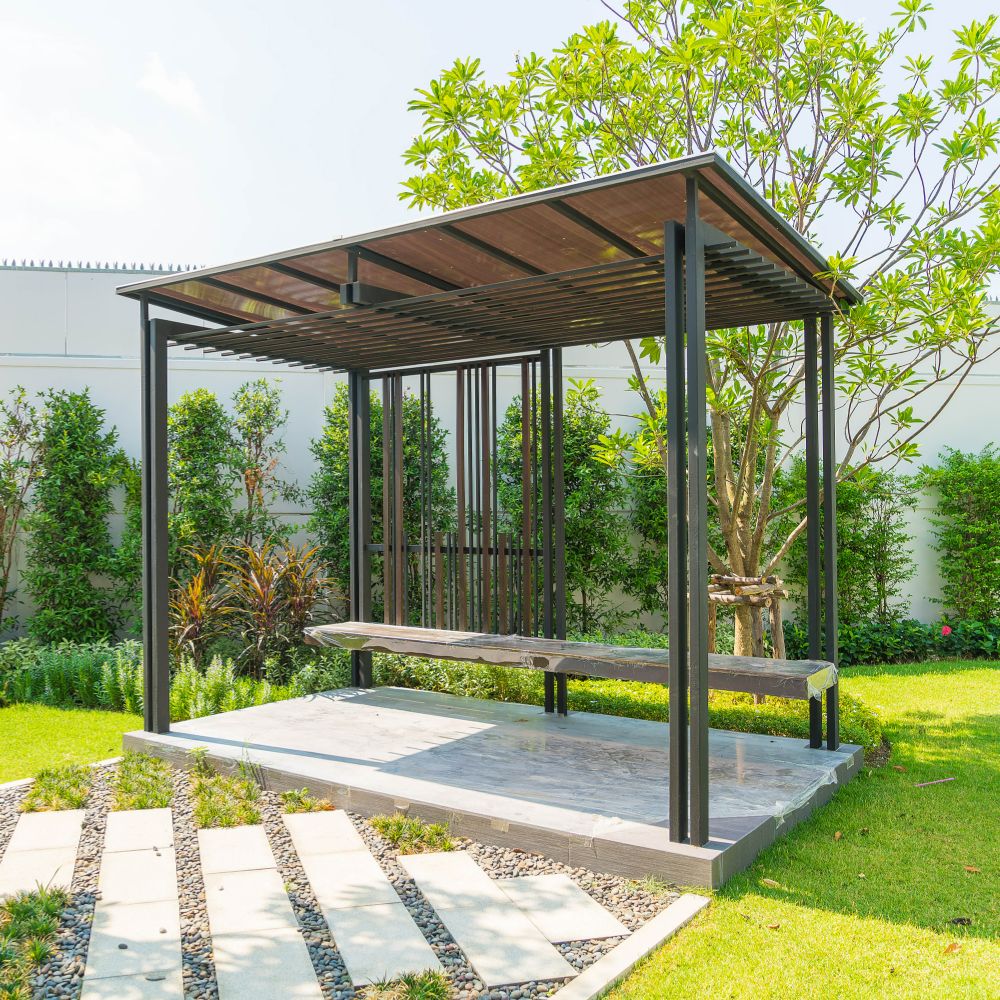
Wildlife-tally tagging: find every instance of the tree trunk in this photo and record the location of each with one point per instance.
(743, 645)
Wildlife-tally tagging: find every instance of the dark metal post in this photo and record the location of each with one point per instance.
(813, 597)
(155, 503)
(830, 602)
(359, 500)
(559, 519)
(548, 611)
(694, 258)
(677, 597)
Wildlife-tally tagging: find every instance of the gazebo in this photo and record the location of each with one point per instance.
(674, 249)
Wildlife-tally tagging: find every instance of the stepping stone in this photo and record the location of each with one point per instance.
(151, 933)
(25, 871)
(40, 831)
(560, 909)
(234, 849)
(500, 942)
(145, 986)
(247, 901)
(374, 932)
(266, 965)
(323, 832)
(138, 876)
(379, 942)
(138, 829)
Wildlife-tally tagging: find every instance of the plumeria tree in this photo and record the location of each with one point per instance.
(884, 157)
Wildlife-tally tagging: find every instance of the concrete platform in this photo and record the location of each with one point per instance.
(588, 790)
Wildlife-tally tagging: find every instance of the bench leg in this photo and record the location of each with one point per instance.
(361, 669)
(833, 717)
(550, 692)
(815, 723)
(562, 706)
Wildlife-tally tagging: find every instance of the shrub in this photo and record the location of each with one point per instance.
(967, 529)
(874, 560)
(21, 452)
(202, 468)
(596, 533)
(69, 546)
(329, 487)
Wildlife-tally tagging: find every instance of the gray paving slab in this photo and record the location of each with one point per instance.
(24, 871)
(239, 902)
(500, 942)
(150, 986)
(138, 876)
(149, 932)
(347, 878)
(323, 832)
(560, 909)
(40, 831)
(379, 942)
(265, 965)
(234, 849)
(138, 830)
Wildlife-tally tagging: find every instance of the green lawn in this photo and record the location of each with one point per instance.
(860, 901)
(36, 736)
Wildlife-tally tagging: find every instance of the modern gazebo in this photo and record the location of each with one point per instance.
(671, 250)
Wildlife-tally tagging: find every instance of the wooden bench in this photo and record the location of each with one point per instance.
(800, 679)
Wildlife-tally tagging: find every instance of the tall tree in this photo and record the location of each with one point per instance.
(885, 159)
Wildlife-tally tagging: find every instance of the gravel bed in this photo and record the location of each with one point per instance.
(62, 975)
(326, 960)
(198, 967)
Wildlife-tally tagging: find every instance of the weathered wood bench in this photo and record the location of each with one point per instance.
(799, 679)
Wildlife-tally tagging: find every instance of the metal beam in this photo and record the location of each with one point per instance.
(584, 221)
(249, 293)
(398, 267)
(830, 596)
(155, 504)
(491, 251)
(814, 608)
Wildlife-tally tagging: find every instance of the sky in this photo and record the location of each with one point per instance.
(204, 132)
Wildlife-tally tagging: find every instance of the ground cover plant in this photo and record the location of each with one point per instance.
(141, 782)
(430, 985)
(65, 787)
(300, 800)
(890, 890)
(28, 925)
(411, 835)
(223, 800)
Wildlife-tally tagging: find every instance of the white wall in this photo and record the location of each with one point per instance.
(66, 328)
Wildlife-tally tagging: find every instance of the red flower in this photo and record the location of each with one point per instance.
(946, 630)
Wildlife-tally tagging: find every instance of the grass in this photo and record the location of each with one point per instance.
(891, 890)
(430, 985)
(223, 800)
(37, 736)
(28, 925)
(298, 800)
(411, 835)
(57, 788)
(142, 782)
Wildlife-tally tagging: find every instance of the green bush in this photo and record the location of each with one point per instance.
(328, 489)
(69, 547)
(966, 524)
(874, 560)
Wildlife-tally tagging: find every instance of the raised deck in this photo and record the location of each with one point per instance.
(590, 790)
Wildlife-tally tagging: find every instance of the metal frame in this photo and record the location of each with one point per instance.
(515, 580)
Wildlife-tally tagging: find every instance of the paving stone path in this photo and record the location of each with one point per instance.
(514, 924)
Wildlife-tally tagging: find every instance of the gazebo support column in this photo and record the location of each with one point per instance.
(831, 611)
(155, 500)
(694, 295)
(814, 602)
(359, 476)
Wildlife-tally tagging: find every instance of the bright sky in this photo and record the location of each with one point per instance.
(203, 132)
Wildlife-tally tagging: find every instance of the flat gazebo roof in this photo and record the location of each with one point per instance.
(576, 264)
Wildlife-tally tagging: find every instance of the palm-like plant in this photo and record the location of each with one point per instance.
(199, 608)
(256, 577)
(306, 585)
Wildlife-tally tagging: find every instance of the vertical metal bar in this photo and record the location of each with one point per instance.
(359, 501)
(155, 504)
(694, 260)
(463, 616)
(831, 617)
(503, 619)
(439, 621)
(548, 612)
(814, 608)
(559, 520)
(526, 529)
(677, 596)
(496, 501)
(388, 614)
(487, 514)
(476, 489)
(399, 539)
